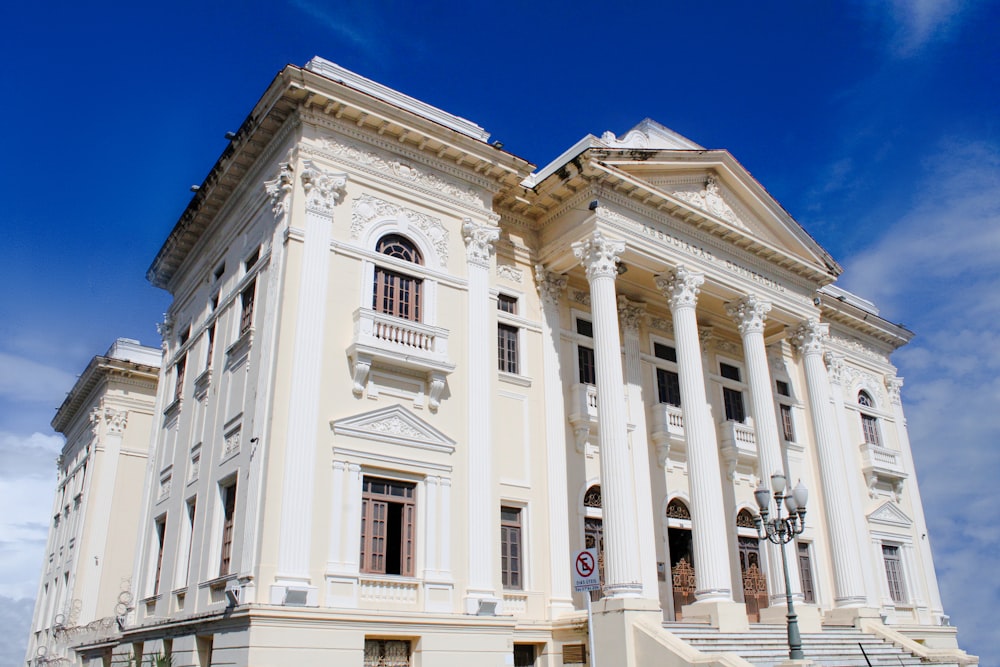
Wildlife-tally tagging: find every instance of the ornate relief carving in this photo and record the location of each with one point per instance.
(893, 385)
(550, 285)
(706, 337)
(394, 426)
(709, 199)
(749, 314)
(509, 272)
(630, 313)
(727, 346)
(809, 336)
(280, 188)
(165, 328)
(324, 189)
(662, 325)
(599, 256)
(835, 367)
(676, 509)
(592, 498)
(367, 209)
(859, 347)
(681, 287)
(479, 240)
(856, 378)
(581, 297)
(116, 420)
(400, 170)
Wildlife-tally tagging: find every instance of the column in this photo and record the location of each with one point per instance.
(630, 314)
(622, 577)
(846, 552)
(708, 516)
(749, 314)
(335, 555)
(550, 288)
(483, 511)
(323, 190)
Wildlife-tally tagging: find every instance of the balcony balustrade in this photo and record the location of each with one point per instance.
(667, 432)
(738, 445)
(882, 467)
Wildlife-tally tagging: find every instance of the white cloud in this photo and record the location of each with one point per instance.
(341, 21)
(29, 380)
(917, 23)
(936, 267)
(15, 624)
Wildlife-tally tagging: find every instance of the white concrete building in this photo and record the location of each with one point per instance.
(406, 378)
(106, 418)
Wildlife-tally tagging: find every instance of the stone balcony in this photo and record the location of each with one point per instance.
(391, 342)
(667, 432)
(583, 413)
(883, 467)
(738, 445)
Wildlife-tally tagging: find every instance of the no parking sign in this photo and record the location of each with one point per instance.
(585, 574)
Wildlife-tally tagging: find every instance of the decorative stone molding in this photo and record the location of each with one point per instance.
(727, 346)
(707, 338)
(599, 256)
(630, 313)
(165, 328)
(396, 425)
(367, 209)
(116, 420)
(400, 171)
(835, 367)
(810, 336)
(749, 313)
(681, 287)
(893, 385)
(859, 348)
(662, 325)
(508, 272)
(280, 188)
(550, 285)
(709, 199)
(581, 297)
(324, 189)
(479, 240)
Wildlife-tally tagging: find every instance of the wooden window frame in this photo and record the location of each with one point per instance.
(228, 497)
(511, 548)
(160, 529)
(388, 540)
(892, 558)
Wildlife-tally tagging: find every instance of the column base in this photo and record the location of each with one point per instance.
(560, 607)
(808, 615)
(481, 603)
(849, 616)
(614, 619)
(726, 615)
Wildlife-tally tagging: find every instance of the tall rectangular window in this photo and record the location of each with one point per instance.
(732, 398)
(209, 345)
(228, 519)
(869, 425)
(161, 528)
(668, 385)
(805, 573)
(179, 370)
(894, 572)
(510, 547)
(247, 299)
(184, 567)
(585, 353)
(786, 423)
(507, 348)
(388, 512)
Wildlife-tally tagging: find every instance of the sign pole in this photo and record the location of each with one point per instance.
(590, 631)
(586, 578)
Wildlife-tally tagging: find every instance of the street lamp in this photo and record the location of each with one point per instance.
(782, 530)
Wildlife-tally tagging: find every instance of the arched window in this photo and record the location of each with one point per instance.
(592, 498)
(745, 519)
(676, 509)
(396, 293)
(869, 423)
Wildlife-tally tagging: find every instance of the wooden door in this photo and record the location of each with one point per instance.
(754, 581)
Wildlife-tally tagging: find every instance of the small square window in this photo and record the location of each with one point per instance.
(507, 304)
(783, 388)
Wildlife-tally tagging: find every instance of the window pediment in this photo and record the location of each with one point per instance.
(395, 425)
(890, 515)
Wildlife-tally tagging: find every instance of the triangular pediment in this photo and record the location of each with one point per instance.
(395, 425)
(890, 515)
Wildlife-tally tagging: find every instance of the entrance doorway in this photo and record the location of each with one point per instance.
(593, 538)
(681, 548)
(754, 581)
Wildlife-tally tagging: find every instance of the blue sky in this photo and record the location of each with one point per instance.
(875, 124)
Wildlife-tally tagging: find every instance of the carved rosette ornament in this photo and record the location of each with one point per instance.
(550, 285)
(749, 313)
(809, 336)
(280, 188)
(324, 189)
(479, 240)
(599, 256)
(893, 385)
(630, 313)
(681, 287)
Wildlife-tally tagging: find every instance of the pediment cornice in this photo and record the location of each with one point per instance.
(890, 515)
(394, 425)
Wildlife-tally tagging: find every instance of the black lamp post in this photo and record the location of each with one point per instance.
(782, 530)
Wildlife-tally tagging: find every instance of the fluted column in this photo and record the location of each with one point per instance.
(850, 592)
(323, 190)
(749, 314)
(630, 315)
(622, 577)
(550, 288)
(483, 510)
(708, 515)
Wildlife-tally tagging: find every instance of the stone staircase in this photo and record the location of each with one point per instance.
(767, 645)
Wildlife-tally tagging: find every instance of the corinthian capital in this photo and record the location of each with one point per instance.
(835, 367)
(280, 188)
(809, 336)
(893, 385)
(749, 313)
(479, 240)
(550, 285)
(630, 313)
(599, 256)
(324, 189)
(681, 287)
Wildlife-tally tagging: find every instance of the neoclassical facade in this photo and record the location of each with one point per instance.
(107, 418)
(407, 376)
